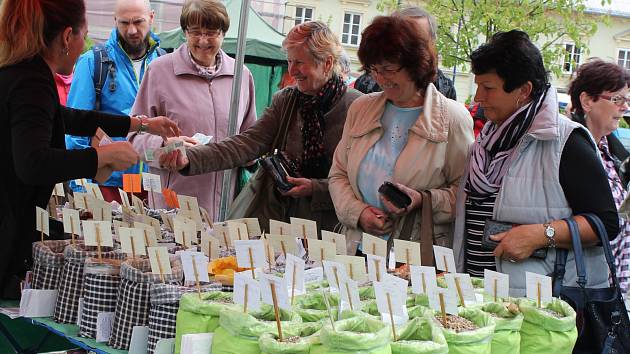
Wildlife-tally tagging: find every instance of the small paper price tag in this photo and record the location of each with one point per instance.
(400, 283)
(159, 259)
(205, 216)
(155, 223)
(390, 300)
(321, 250)
(538, 287)
(200, 264)
(376, 267)
(191, 204)
(444, 259)
(303, 228)
(250, 251)
(210, 245)
(148, 232)
(350, 299)
(101, 211)
(449, 298)
(338, 239)
(220, 231)
(282, 294)
(132, 241)
(137, 204)
(104, 323)
(185, 231)
(95, 231)
(374, 245)
(335, 274)
(132, 183)
(151, 182)
(294, 271)
(243, 280)
(124, 198)
(237, 231)
(41, 223)
(58, 190)
(285, 244)
(496, 284)
(461, 284)
(71, 222)
(423, 279)
(407, 252)
(279, 228)
(252, 225)
(355, 267)
(93, 190)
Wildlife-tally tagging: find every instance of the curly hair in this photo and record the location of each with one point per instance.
(399, 40)
(595, 77)
(320, 41)
(514, 57)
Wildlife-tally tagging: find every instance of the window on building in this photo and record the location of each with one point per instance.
(623, 59)
(303, 14)
(351, 29)
(572, 57)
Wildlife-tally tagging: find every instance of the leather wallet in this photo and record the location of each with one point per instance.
(399, 198)
(493, 227)
(279, 167)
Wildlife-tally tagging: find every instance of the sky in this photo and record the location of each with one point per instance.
(616, 5)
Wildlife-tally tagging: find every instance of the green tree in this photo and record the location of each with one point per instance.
(466, 24)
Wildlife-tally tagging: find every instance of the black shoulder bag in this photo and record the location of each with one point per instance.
(602, 319)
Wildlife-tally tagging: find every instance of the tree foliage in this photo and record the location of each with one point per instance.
(465, 24)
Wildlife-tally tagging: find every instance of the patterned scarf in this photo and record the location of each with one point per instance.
(315, 162)
(207, 72)
(492, 154)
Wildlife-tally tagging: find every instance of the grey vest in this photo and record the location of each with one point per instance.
(531, 194)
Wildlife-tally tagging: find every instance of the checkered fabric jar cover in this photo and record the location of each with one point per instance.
(100, 291)
(71, 279)
(132, 307)
(48, 261)
(164, 307)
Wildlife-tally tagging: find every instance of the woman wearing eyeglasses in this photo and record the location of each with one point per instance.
(192, 86)
(409, 134)
(599, 97)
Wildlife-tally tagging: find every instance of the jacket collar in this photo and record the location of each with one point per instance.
(182, 63)
(433, 124)
(154, 41)
(545, 125)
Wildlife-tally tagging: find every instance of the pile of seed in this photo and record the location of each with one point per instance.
(553, 313)
(457, 323)
(293, 339)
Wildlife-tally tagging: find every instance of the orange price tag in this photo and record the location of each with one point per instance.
(170, 197)
(132, 183)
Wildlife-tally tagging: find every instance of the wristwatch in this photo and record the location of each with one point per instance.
(143, 127)
(550, 233)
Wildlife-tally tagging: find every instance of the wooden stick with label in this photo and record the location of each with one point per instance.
(442, 309)
(251, 261)
(538, 293)
(194, 264)
(184, 239)
(275, 310)
(351, 271)
(336, 277)
(146, 240)
(268, 255)
(225, 239)
(424, 284)
(72, 231)
(245, 300)
(349, 297)
(305, 238)
(41, 232)
(459, 292)
(284, 250)
(407, 255)
(97, 229)
(377, 264)
(494, 289)
(133, 248)
(445, 264)
(391, 315)
(157, 256)
(293, 283)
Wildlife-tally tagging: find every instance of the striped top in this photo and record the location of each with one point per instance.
(478, 258)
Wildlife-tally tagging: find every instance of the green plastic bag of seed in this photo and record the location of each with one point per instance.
(476, 341)
(507, 333)
(360, 335)
(312, 307)
(197, 315)
(420, 335)
(238, 332)
(307, 337)
(550, 329)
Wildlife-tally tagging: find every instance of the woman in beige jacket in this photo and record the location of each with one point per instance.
(409, 134)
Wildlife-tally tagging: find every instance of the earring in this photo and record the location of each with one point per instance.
(67, 50)
(518, 103)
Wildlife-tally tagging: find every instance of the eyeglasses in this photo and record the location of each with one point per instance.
(618, 100)
(385, 72)
(197, 34)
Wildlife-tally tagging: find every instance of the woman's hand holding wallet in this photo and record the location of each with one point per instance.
(374, 221)
(415, 196)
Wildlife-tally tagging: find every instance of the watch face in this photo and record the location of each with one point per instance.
(550, 232)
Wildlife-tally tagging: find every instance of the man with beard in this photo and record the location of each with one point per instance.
(107, 77)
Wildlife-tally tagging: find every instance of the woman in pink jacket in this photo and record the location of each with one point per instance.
(409, 134)
(192, 86)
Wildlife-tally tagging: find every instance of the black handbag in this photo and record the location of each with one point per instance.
(602, 318)
(279, 167)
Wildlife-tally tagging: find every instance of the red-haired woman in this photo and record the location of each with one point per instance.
(40, 38)
(409, 134)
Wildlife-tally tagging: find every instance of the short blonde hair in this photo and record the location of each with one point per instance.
(319, 39)
(210, 14)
